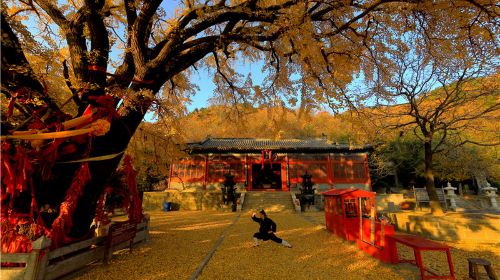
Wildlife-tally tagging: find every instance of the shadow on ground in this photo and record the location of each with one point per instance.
(181, 240)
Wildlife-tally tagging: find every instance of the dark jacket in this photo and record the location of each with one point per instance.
(266, 224)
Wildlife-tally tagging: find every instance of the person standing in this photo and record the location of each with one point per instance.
(266, 230)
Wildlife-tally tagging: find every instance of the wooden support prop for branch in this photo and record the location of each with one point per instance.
(86, 119)
(77, 121)
(98, 128)
(49, 135)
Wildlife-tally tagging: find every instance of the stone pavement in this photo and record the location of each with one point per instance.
(182, 242)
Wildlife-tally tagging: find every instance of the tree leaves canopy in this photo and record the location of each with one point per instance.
(312, 48)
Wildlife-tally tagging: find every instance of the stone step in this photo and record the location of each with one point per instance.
(468, 204)
(264, 193)
(273, 206)
(269, 201)
(271, 197)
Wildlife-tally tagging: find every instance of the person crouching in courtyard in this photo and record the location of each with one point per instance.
(266, 230)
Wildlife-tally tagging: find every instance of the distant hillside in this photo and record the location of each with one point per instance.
(273, 123)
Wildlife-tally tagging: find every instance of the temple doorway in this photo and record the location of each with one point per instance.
(267, 178)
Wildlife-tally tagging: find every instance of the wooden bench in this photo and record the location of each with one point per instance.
(474, 264)
(119, 232)
(421, 195)
(419, 244)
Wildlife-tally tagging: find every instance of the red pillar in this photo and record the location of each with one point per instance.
(367, 172)
(205, 175)
(284, 174)
(329, 168)
(250, 179)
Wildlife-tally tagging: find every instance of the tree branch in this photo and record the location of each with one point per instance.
(17, 74)
(54, 13)
(99, 47)
(138, 35)
(74, 92)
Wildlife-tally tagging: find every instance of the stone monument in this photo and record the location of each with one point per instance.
(491, 194)
(450, 194)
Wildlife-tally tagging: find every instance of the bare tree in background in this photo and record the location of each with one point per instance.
(449, 92)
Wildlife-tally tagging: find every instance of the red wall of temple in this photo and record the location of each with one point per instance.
(324, 168)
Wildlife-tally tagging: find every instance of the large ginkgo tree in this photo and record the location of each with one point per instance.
(101, 65)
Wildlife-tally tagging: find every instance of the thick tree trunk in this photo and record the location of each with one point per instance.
(53, 191)
(435, 205)
(115, 141)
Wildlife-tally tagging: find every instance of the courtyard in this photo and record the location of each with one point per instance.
(181, 241)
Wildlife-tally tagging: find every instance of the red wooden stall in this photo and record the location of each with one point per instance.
(350, 214)
(342, 211)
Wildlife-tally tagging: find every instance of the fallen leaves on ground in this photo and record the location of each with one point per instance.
(181, 240)
(316, 254)
(437, 262)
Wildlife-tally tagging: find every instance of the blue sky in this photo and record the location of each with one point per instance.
(202, 78)
(204, 81)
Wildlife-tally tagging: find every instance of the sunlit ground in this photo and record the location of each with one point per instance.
(181, 240)
(436, 261)
(316, 254)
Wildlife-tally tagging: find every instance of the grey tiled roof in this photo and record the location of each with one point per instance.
(257, 145)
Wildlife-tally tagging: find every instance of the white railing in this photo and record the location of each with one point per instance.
(239, 207)
(296, 202)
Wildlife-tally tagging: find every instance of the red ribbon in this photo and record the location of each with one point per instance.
(17, 173)
(140, 81)
(63, 223)
(105, 105)
(7, 170)
(14, 242)
(101, 216)
(97, 68)
(135, 210)
(22, 95)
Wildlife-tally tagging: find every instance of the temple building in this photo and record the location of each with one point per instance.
(274, 165)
